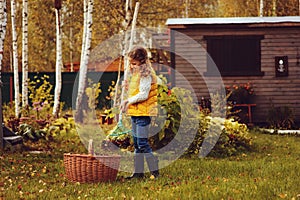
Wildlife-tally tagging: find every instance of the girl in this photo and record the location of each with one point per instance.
(141, 105)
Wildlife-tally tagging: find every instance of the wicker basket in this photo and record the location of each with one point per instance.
(91, 169)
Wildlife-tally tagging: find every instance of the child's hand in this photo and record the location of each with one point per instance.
(124, 106)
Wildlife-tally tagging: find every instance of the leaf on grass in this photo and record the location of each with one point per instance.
(282, 195)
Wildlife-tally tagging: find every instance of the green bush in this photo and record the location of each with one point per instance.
(58, 128)
(178, 118)
(226, 137)
(28, 132)
(281, 117)
(233, 140)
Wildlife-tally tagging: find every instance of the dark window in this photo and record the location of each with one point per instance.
(234, 55)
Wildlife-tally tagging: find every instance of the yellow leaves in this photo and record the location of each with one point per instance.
(225, 179)
(111, 94)
(152, 177)
(93, 91)
(285, 196)
(282, 195)
(44, 170)
(88, 91)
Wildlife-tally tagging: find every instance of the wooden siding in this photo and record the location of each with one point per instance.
(191, 58)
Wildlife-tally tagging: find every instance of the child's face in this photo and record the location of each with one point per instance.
(134, 64)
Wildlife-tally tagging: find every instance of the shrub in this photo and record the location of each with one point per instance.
(28, 132)
(37, 114)
(223, 137)
(178, 118)
(280, 117)
(234, 139)
(60, 127)
(240, 93)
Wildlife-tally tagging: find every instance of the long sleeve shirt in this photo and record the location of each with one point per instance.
(144, 89)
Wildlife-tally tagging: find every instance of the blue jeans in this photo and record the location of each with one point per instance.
(140, 132)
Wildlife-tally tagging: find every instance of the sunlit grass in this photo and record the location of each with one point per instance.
(272, 171)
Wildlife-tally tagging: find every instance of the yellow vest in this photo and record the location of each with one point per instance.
(147, 107)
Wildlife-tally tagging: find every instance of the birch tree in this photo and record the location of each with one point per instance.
(187, 8)
(15, 58)
(86, 45)
(3, 22)
(59, 64)
(261, 8)
(129, 37)
(124, 47)
(25, 54)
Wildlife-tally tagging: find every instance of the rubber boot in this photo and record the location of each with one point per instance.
(152, 163)
(138, 167)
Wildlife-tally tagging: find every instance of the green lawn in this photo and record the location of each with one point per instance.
(272, 171)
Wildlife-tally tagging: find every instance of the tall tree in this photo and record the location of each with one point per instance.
(86, 47)
(42, 36)
(261, 8)
(15, 58)
(59, 63)
(237, 8)
(25, 54)
(3, 23)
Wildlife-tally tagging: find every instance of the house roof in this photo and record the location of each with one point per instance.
(232, 20)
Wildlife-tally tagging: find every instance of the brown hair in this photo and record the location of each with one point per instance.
(140, 54)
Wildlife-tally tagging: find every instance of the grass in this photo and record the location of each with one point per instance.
(272, 171)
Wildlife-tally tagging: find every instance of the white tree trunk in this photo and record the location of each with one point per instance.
(128, 42)
(187, 8)
(3, 22)
(261, 8)
(25, 54)
(274, 8)
(85, 26)
(128, 45)
(124, 49)
(59, 65)
(15, 58)
(86, 45)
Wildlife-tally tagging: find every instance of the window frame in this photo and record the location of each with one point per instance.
(220, 48)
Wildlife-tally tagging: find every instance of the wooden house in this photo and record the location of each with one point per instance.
(264, 51)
